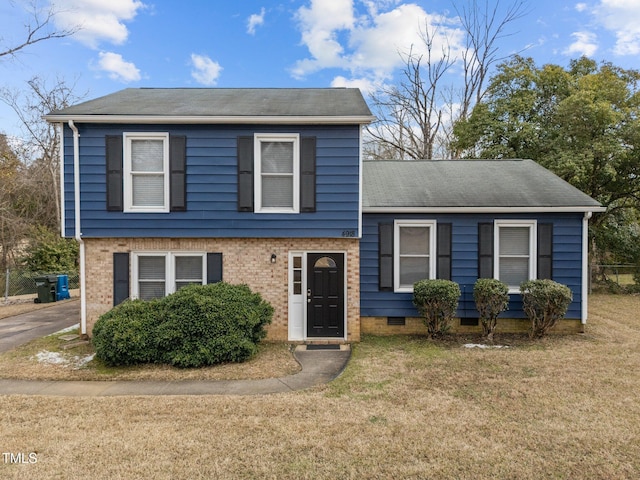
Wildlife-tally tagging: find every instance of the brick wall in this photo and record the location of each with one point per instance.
(415, 326)
(245, 260)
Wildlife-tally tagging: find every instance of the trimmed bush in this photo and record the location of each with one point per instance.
(125, 335)
(492, 298)
(209, 324)
(544, 302)
(437, 302)
(196, 326)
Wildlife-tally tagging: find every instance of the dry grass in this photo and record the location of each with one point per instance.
(273, 360)
(16, 307)
(563, 407)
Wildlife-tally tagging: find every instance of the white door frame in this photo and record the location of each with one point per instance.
(297, 303)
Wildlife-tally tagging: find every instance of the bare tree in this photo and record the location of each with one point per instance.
(12, 226)
(483, 27)
(409, 116)
(416, 116)
(39, 150)
(39, 28)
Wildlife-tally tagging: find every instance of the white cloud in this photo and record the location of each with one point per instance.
(337, 37)
(622, 17)
(117, 68)
(205, 71)
(580, 7)
(98, 20)
(320, 25)
(585, 44)
(366, 85)
(255, 20)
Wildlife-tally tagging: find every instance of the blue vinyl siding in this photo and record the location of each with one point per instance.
(212, 186)
(567, 258)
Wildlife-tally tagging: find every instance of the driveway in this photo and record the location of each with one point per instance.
(20, 329)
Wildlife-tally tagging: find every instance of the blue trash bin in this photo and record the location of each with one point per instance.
(62, 290)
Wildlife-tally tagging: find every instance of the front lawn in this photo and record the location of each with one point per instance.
(49, 358)
(564, 407)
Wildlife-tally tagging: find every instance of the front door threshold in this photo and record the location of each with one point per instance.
(324, 346)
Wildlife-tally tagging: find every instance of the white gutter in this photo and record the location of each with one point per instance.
(210, 119)
(585, 267)
(61, 184)
(360, 181)
(78, 233)
(483, 209)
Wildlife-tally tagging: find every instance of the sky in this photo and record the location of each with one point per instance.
(283, 43)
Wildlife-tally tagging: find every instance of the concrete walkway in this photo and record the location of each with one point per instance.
(318, 366)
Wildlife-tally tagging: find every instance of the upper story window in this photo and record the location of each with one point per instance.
(414, 252)
(146, 172)
(277, 177)
(515, 252)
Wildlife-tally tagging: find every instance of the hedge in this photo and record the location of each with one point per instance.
(196, 326)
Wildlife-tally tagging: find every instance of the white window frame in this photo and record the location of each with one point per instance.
(532, 225)
(294, 138)
(128, 173)
(397, 225)
(170, 271)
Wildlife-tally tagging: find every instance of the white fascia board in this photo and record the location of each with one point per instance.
(482, 209)
(236, 120)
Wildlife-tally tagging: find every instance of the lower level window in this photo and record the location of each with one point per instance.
(515, 252)
(157, 274)
(414, 252)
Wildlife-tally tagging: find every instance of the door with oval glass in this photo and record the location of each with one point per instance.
(325, 295)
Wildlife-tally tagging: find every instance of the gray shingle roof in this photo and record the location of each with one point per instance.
(468, 184)
(224, 102)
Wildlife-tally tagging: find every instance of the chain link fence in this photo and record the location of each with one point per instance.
(21, 283)
(614, 277)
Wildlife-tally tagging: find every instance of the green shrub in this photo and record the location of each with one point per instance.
(209, 324)
(196, 326)
(544, 302)
(492, 298)
(125, 335)
(50, 253)
(437, 302)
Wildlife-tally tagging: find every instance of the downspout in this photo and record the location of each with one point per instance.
(78, 233)
(61, 181)
(585, 267)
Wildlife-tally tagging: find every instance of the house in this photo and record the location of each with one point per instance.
(462, 220)
(166, 187)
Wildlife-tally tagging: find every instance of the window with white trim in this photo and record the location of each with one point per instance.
(157, 274)
(414, 252)
(277, 179)
(146, 172)
(515, 252)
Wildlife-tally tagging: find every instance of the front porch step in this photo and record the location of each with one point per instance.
(324, 346)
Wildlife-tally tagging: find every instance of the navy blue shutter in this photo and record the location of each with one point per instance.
(113, 148)
(245, 174)
(120, 277)
(443, 248)
(178, 170)
(385, 256)
(485, 250)
(308, 174)
(214, 267)
(545, 251)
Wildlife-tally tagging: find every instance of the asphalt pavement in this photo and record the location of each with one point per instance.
(21, 329)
